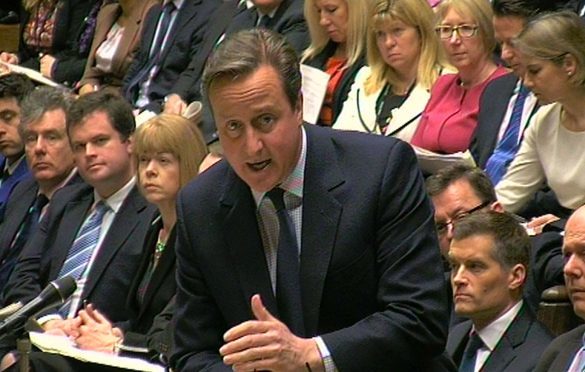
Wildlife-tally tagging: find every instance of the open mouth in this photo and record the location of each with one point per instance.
(260, 165)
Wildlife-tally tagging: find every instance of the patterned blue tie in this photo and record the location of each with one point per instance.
(506, 149)
(83, 247)
(288, 285)
(469, 355)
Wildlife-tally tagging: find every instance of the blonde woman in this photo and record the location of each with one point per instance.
(338, 47)
(55, 37)
(168, 150)
(551, 153)
(467, 36)
(389, 95)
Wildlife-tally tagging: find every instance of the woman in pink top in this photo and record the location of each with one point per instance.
(467, 35)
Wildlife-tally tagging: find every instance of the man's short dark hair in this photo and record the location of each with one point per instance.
(40, 101)
(246, 51)
(520, 8)
(511, 242)
(477, 179)
(15, 86)
(113, 105)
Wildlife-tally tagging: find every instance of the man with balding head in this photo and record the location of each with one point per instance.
(566, 352)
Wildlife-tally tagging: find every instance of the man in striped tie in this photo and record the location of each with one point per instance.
(93, 232)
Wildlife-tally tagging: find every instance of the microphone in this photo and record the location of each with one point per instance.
(55, 293)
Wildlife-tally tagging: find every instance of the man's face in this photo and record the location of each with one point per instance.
(258, 129)
(574, 253)
(451, 204)
(102, 157)
(481, 285)
(10, 143)
(266, 6)
(507, 28)
(47, 148)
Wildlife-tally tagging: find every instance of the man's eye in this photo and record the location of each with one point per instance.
(266, 121)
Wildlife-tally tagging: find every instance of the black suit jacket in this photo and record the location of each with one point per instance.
(22, 198)
(344, 86)
(288, 21)
(518, 350)
(111, 273)
(493, 105)
(559, 355)
(371, 284)
(184, 42)
(159, 292)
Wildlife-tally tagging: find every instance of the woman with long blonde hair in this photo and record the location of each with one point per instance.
(404, 60)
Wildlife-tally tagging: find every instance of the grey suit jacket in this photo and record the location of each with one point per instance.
(518, 350)
(559, 355)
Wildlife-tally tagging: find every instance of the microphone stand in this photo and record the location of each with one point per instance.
(24, 347)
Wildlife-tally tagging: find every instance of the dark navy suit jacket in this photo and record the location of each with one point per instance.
(518, 350)
(372, 284)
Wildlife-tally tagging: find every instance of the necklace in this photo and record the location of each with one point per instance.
(159, 249)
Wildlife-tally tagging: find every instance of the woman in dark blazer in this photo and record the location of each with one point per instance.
(60, 39)
(129, 14)
(168, 150)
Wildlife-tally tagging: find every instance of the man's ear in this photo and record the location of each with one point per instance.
(130, 141)
(517, 277)
(497, 207)
(299, 108)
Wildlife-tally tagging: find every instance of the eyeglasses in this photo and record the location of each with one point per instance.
(463, 31)
(443, 226)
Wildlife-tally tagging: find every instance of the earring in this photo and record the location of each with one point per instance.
(570, 73)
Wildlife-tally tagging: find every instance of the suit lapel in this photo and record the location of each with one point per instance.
(165, 265)
(457, 340)
(184, 16)
(240, 228)
(505, 351)
(121, 229)
(321, 214)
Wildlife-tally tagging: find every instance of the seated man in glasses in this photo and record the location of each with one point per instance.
(459, 191)
(489, 257)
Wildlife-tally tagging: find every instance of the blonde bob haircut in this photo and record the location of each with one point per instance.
(554, 37)
(358, 13)
(480, 11)
(414, 13)
(172, 134)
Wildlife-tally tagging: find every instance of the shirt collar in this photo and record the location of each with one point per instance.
(9, 169)
(115, 200)
(493, 332)
(294, 182)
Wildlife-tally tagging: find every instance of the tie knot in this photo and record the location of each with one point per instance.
(169, 7)
(100, 209)
(40, 202)
(475, 343)
(277, 197)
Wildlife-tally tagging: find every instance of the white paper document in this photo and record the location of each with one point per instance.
(430, 162)
(64, 346)
(32, 74)
(314, 88)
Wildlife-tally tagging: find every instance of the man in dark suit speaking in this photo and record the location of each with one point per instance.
(345, 273)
